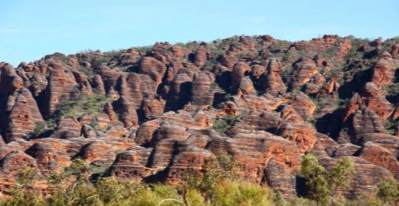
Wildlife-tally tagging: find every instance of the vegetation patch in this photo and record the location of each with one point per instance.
(225, 123)
(322, 184)
(73, 108)
(390, 125)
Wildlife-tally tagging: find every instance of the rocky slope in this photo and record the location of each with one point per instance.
(156, 113)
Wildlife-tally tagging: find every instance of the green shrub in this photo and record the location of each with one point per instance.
(228, 166)
(388, 191)
(40, 127)
(338, 176)
(316, 178)
(82, 105)
(78, 168)
(356, 44)
(221, 126)
(193, 197)
(113, 192)
(391, 125)
(225, 123)
(204, 183)
(73, 108)
(82, 193)
(392, 89)
(237, 193)
(157, 195)
(323, 184)
(214, 188)
(23, 193)
(24, 198)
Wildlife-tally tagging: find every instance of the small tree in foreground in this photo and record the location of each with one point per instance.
(338, 177)
(316, 178)
(323, 184)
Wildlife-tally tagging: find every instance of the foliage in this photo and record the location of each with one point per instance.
(73, 108)
(40, 127)
(237, 193)
(82, 105)
(100, 60)
(204, 183)
(390, 125)
(316, 178)
(388, 191)
(338, 175)
(392, 89)
(225, 123)
(78, 168)
(228, 165)
(330, 52)
(356, 44)
(323, 184)
(220, 125)
(23, 194)
(73, 187)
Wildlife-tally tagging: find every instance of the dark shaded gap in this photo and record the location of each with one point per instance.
(356, 84)
(176, 102)
(330, 124)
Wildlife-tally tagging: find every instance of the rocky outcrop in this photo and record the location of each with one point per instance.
(131, 164)
(169, 110)
(240, 70)
(380, 156)
(303, 105)
(15, 162)
(383, 70)
(189, 160)
(68, 128)
(61, 85)
(366, 176)
(153, 108)
(375, 101)
(203, 86)
(24, 115)
(305, 70)
(274, 83)
(154, 68)
(365, 121)
(200, 56)
(51, 156)
(303, 135)
(277, 177)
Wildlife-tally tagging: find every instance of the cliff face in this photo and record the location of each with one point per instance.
(156, 113)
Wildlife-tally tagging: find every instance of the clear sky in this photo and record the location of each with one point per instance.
(30, 29)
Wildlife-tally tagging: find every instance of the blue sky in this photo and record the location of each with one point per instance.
(30, 29)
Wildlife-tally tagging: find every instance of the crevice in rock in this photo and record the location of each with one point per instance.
(356, 84)
(183, 98)
(330, 124)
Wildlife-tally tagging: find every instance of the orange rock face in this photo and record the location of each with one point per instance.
(305, 70)
(274, 83)
(154, 68)
(383, 71)
(375, 101)
(380, 156)
(61, 84)
(202, 91)
(170, 110)
(24, 115)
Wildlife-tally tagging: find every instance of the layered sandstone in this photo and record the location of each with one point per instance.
(172, 110)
